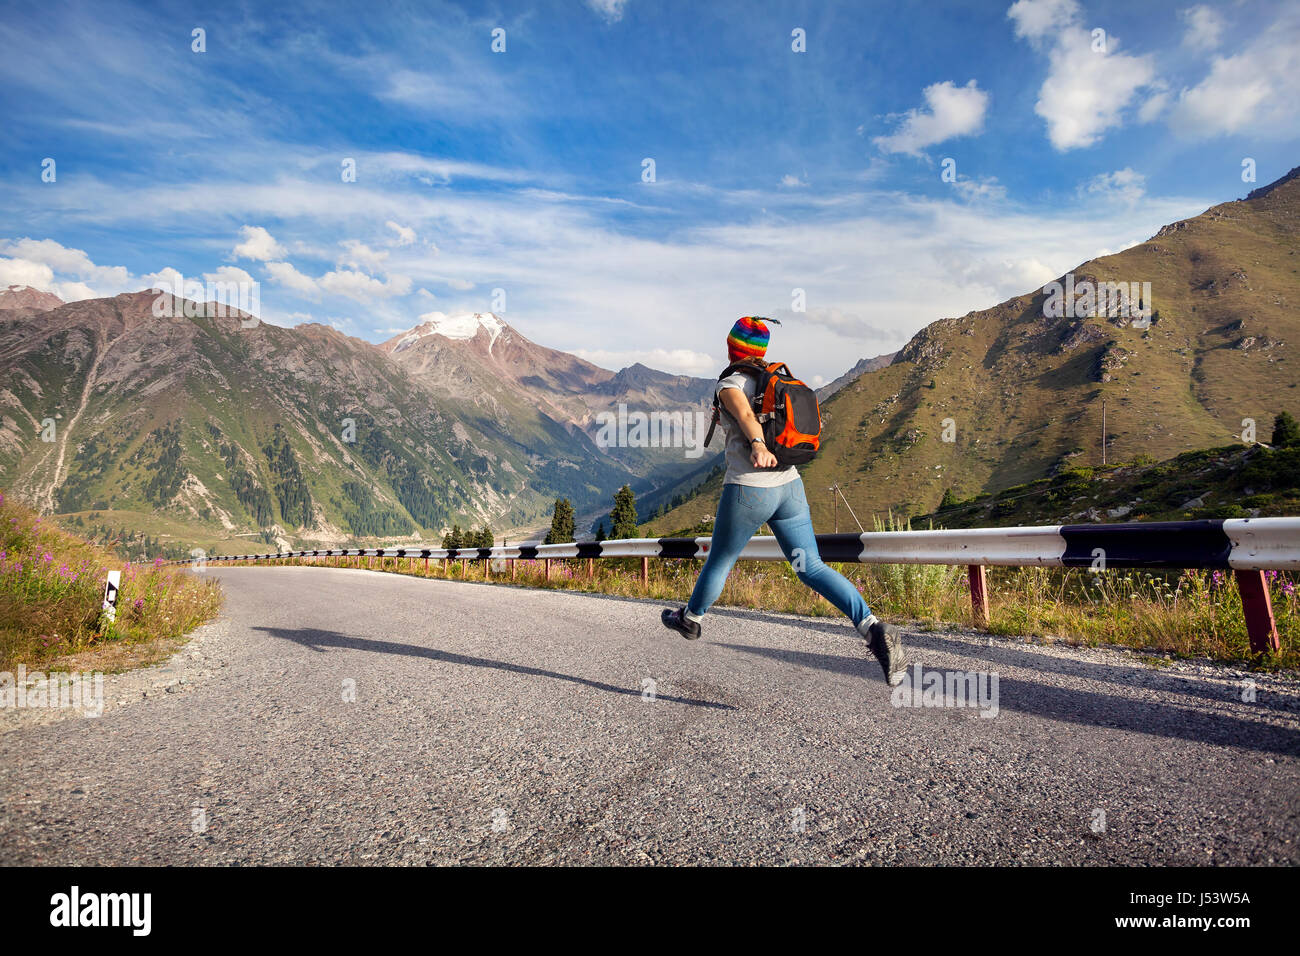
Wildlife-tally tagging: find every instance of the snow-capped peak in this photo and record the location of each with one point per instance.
(464, 325)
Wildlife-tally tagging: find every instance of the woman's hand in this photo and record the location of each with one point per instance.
(735, 401)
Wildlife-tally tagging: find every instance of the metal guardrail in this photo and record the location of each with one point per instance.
(1246, 546)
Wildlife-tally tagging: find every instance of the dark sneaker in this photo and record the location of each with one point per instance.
(678, 622)
(886, 642)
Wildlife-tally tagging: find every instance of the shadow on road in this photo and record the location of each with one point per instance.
(318, 640)
(971, 644)
(1086, 707)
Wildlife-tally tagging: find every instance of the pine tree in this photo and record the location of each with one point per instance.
(1286, 430)
(561, 522)
(600, 532)
(484, 538)
(949, 500)
(455, 538)
(623, 518)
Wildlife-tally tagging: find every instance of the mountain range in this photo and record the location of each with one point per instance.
(217, 427)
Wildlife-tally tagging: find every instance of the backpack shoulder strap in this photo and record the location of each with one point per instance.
(760, 378)
(747, 367)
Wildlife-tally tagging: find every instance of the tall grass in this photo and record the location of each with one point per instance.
(52, 588)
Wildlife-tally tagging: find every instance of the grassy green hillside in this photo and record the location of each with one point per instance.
(1235, 481)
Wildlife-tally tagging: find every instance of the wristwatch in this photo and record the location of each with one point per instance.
(759, 440)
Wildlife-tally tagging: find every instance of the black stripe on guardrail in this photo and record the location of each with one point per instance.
(528, 551)
(589, 549)
(677, 547)
(839, 547)
(1155, 544)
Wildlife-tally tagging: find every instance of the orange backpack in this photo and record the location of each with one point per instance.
(786, 409)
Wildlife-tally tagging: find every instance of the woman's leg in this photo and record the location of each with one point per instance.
(792, 525)
(741, 512)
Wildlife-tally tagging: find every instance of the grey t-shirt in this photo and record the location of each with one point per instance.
(740, 470)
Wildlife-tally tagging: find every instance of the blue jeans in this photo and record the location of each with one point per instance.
(741, 512)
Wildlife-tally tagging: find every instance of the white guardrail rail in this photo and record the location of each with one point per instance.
(1246, 546)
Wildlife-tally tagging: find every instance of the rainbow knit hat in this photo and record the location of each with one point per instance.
(748, 338)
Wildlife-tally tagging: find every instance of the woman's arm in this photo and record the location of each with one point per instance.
(736, 402)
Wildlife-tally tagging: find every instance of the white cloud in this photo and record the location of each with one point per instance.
(361, 287)
(66, 261)
(360, 256)
(789, 180)
(1123, 185)
(286, 275)
(74, 291)
(611, 10)
(405, 234)
(229, 274)
(1204, 27)
(1256, 91)
(25, 272)
(1038, 19)
(1086, 91)
(68, 273)
(164, 278)
(258, 244)
(986, 188)
(950, 111)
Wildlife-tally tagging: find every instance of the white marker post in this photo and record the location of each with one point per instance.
(111, 587)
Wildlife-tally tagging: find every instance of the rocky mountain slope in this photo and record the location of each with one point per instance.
(1012, 394)
(480, 360)
(852, 375)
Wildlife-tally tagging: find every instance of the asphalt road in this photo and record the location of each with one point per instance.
(500, 725)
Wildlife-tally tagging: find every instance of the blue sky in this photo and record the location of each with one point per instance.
(523, 170)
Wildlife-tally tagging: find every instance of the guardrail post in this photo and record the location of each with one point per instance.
(645, 571)
(548, 569)
(979, 593)
(487, 568)
(591, 568)
(1257, 606)
(512, 569)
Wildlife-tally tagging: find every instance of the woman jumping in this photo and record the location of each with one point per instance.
(757, 491)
